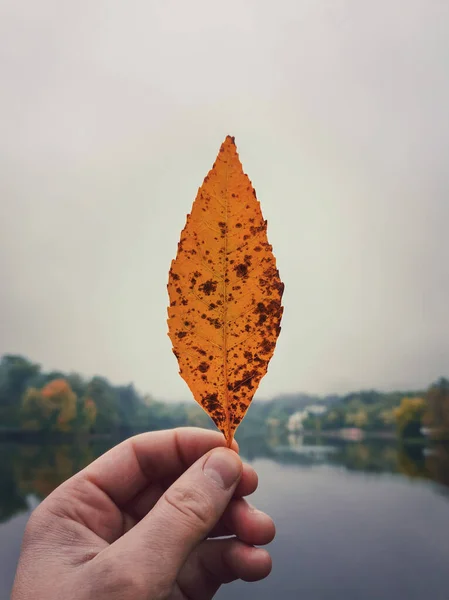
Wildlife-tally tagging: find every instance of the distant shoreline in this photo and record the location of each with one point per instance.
(27, 435)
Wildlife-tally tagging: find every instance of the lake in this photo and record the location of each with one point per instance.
(354, 519)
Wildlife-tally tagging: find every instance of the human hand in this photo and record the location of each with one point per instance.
(139, 522)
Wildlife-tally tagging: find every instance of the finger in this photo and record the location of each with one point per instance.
(248, 483)
(145, 500)
(245, 522)
(183, 516)
(131, 466)
(216, 562)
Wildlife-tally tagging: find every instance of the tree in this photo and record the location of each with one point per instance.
(89, 413)
(53, 408)
(16, 375)
(437, 414)
(409, 417)
(106, 400)
(357, 419)
(129, 406)
(59, 398)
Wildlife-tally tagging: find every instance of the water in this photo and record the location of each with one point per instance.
(354, 520)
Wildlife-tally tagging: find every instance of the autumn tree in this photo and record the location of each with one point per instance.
(53, 408)
(59, 398)
(409, 416)
(56, 408)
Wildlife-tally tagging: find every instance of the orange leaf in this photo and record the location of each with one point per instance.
(225, 294)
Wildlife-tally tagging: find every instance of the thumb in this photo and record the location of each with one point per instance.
(184, 515)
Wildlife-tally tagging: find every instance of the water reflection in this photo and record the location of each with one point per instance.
(34, 470)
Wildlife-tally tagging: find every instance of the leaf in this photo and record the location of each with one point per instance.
(225, 294)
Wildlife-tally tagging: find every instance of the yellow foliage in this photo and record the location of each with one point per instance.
(358, 419)
(409, 416)
(90, 412)
(54, 408)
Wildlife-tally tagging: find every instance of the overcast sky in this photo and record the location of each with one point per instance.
(111, 114)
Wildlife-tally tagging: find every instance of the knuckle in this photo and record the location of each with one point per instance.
(191, 506)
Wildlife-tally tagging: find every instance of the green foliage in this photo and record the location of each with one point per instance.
(106, 399)
(82, 405)
(16, 375)
(97, 406)
(56, 408)
(371, 411)
(409, 417)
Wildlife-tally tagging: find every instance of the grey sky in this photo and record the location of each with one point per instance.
(111, 114)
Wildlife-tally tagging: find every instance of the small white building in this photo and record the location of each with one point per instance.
(296, 421)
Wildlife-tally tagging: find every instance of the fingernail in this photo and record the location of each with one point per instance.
(224, 467)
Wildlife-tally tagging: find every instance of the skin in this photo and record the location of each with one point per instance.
(142, 523)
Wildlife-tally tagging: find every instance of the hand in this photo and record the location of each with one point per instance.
(139, 522)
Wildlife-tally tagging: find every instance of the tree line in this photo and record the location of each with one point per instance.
(35, 400)
(408, 413)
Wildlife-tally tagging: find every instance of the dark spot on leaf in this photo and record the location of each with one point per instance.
(211, 403)
(208, 287)
(267, 346)
(241, 270)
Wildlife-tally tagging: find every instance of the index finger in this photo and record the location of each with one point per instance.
(131, 466)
